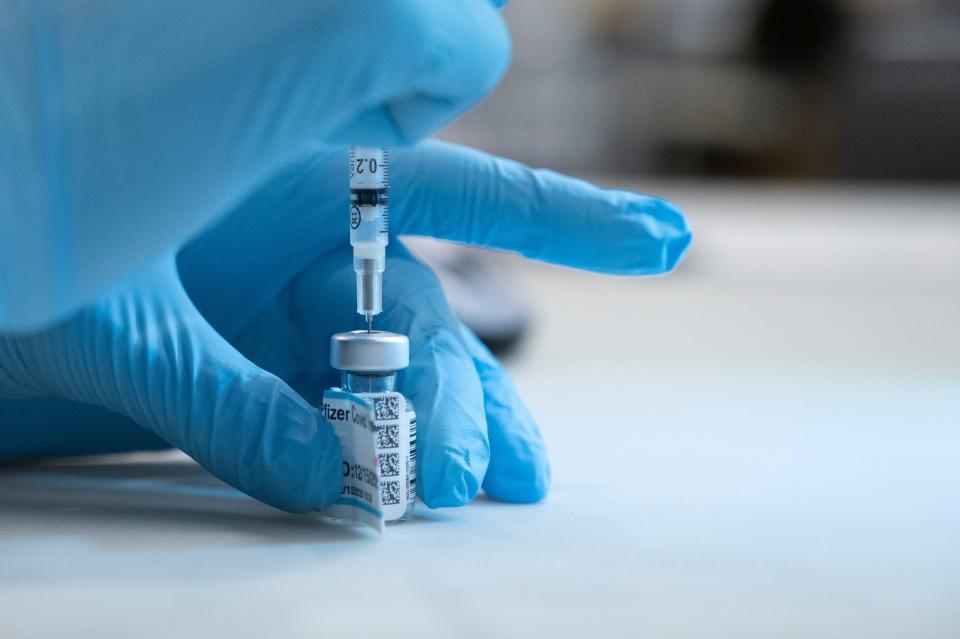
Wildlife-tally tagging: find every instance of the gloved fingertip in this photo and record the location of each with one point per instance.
(674, 249)
(284, 452)
(452, 480)
(663, 235)
(659, 208)
(304, 480)
(527, 486)
(519, 470)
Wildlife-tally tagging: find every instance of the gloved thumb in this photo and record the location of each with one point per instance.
(143, 350)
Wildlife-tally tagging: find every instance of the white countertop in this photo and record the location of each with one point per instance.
(765, 444)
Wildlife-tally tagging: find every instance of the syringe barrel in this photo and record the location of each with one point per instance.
(369, 195)
(369, 223)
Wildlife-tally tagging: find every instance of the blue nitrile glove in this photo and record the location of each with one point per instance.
(127, 127)
(275, 280)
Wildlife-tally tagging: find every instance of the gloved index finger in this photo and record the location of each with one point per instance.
(451, 192)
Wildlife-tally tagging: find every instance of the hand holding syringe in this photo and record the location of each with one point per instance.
(369, 225)
(169, 376)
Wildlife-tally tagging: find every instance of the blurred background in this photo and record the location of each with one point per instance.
(760, 88)
(778, 420)
(720, 105)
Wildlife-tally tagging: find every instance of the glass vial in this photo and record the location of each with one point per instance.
(368, 362)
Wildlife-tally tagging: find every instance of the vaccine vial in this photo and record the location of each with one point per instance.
(368, 362)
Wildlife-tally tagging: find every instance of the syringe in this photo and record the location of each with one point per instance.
(369, 225)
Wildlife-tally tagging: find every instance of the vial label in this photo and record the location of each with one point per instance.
(352, 419)
(396, 442)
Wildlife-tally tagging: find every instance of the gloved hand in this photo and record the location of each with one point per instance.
(127, 127)
(223, 352)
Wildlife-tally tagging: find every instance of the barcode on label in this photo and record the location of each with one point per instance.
(412, 460)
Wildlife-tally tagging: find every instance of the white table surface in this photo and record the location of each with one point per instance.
(765, 444)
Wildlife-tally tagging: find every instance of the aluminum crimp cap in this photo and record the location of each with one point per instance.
(369, 351)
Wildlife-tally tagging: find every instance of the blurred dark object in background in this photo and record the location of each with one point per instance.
(760, 88)
(481, 289)
(901, 95)
(799, 36)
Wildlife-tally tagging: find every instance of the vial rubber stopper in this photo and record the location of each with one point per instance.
(369, 351)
